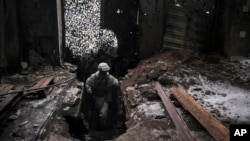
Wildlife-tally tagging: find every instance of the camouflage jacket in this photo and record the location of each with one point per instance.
(101, 86)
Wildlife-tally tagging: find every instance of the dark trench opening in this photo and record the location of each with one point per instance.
(79, 127)
(89, 42)
(78, 130)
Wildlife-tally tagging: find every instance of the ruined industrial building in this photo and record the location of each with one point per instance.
(183, 67)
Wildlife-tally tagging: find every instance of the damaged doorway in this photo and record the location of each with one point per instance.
(101, 31)
(122, 17)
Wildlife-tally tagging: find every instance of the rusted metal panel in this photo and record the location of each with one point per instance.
(213, 126)
(181, 126)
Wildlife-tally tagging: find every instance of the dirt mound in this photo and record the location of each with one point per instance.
(217, 83)
(155, 68)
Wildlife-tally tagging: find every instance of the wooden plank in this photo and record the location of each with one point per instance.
(39, 83)
(2, 86)
(43, 82)
(213, 126)
(180, 125)
(47, 81)
(9, 101)
(5, 88)
(9, 98)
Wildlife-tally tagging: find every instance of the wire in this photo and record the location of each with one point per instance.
(36, 89)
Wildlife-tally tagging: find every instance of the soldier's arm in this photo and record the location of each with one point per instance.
(89, 84)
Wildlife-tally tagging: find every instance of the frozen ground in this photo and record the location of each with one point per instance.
(231, 102)
(222, 88)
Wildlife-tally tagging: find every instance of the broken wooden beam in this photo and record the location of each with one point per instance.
(42, 83)
(180, 125)
(9, 101)
(4, 88)
(212, 125)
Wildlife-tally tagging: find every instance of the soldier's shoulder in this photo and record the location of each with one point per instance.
(92, 76)
(114, 80)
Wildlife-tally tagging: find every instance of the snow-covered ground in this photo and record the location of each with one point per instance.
(231, 102)
(222, 88)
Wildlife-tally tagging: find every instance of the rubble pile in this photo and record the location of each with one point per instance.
(33, 118)
(176, 68)
(83, 35)
(219, 87)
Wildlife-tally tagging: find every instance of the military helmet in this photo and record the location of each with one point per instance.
(103, 67)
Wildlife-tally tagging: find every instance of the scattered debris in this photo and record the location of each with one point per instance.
(42, 113)
(220, 86)
(35, 125)
(23, 123)
(13, 117)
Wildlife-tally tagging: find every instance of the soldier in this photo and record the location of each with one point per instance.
(102, 98)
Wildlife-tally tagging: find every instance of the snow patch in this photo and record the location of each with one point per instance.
(149, 109)
(72, 95)
(232, 102)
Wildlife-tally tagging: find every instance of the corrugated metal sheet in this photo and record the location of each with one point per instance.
(189, 24)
